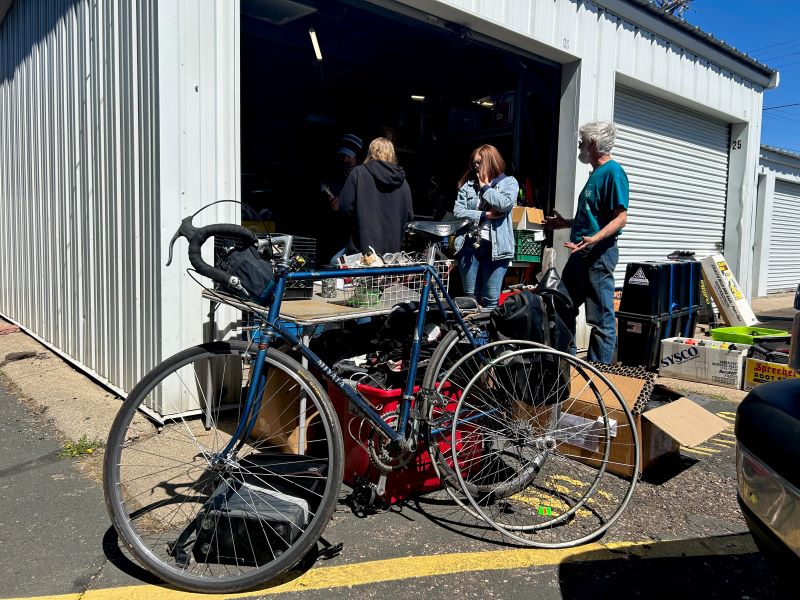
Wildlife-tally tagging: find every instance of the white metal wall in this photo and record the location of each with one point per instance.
(783, 270)
(677, 165)
(79, 223)
(199, 158)
(775, 166)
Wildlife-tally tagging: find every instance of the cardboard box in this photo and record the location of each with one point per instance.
(661, 431)
(716, 363)
(279, 417)
(523, 217)
(762, 371)
(720, 282)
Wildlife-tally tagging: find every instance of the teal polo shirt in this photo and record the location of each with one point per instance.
(606, 189)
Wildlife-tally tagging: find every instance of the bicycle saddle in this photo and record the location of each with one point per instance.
(437, 229)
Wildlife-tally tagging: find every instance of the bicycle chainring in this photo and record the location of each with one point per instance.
(382, 455)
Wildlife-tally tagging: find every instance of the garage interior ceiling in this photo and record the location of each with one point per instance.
(294, 107)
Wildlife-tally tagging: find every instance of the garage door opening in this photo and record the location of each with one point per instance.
(435, 91)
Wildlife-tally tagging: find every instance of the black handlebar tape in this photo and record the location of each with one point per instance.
(199, 238)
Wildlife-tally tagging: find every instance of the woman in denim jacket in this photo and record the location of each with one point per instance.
(486, 195)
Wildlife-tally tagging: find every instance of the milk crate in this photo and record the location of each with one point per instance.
(527, 248)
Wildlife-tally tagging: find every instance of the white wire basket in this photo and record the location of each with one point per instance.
(384, 291)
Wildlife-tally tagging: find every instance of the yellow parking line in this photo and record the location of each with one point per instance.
(701, 452)
(727, 415)
(723, 443)
(346, 576)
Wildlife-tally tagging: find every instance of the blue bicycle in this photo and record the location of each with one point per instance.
(523, 437)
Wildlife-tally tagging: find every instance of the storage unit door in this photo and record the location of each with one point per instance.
(783, 270)
(677, 164)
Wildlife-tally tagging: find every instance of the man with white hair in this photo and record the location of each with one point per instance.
(602, 213)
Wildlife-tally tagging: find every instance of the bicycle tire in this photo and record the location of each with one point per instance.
(162, 482)
(548, 451)
(452, 365)
(437, 432)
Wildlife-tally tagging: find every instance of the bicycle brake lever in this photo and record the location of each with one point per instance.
(187, 230)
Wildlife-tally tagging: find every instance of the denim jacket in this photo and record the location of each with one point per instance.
(501, 197)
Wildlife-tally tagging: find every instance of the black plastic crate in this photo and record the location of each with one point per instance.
(684, 322)
(301, 246)
(639, 338)
(307, 248)
(658, 287)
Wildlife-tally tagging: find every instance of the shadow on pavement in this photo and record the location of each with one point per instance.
(115, 555)
(720, 567)
(668, 467)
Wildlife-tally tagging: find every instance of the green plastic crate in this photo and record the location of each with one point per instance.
(527, 249)
(745, 335)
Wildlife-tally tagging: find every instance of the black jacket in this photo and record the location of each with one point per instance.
(377, 198)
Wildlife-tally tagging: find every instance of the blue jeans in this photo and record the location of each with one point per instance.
(589, 277)
(482, 276)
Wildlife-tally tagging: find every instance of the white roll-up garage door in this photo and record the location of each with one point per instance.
(783, 271)
(677, 163)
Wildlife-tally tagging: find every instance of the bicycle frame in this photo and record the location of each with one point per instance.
(272, 327)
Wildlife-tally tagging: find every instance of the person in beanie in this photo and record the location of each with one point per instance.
(334, 232)
(602, 213)
(377, 199)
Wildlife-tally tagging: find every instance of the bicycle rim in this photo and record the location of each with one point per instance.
(538, 440)
(210, 522)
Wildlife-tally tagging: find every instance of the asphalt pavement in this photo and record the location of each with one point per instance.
(681, 537)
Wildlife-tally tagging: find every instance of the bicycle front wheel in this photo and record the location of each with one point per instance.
(208, 513)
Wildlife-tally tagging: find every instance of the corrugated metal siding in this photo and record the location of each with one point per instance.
(677, 165)
(783, 267)
(79, 226)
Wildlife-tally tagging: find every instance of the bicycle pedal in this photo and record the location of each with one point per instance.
(330, 551)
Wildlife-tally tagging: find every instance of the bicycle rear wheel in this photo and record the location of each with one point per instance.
(212, 521)
(535, 436)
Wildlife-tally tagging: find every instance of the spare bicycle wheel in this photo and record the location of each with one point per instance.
(542, 444)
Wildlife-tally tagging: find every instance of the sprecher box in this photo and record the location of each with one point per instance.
(526, 218)
(725, 290)
(661, 431)
(704, 361)
(762, 371)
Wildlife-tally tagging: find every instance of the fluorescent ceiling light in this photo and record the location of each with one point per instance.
(418, 98)
(315, 43)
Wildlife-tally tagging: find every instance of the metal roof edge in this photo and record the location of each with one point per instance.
(642, 13)
(780, 151)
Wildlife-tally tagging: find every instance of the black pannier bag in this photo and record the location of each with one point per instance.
(560, 309)
(254, 273)
(542, 316)
(260, 512)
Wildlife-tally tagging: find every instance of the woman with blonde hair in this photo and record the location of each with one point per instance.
(486, 195)
(377, 199)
